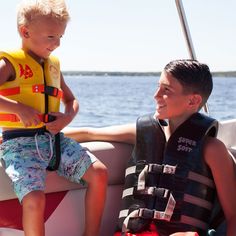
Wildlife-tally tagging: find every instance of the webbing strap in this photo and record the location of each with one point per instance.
(37, 88)
(159, 192)
(201, 179)
(194, 222)
(198, 201)
(156, 168)
(141, 178)
(149, 168)
(9, 117)
(148, 213)
(54, 164)
(14, 118)
(10, 91)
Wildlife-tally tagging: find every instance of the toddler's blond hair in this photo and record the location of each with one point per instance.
(29, 10)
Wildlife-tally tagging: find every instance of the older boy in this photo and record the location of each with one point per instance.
(178, 166)
(31, 88)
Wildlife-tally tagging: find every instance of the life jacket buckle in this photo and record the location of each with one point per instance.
(159, 192)
(155, 168)
(48, 118)
(51, 91)
(168, 169)
(146, 213)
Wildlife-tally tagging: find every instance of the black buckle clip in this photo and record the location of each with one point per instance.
(48, 118)
(146, 213)
(51, 91)
(155, 168)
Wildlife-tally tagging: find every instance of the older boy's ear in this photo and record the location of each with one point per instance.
(195, 100)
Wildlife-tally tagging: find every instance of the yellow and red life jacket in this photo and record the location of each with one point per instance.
(34, 85)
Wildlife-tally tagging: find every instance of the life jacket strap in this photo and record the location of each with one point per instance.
(152, 168)
(49, 90)
(154, 191)
(37, 88)
(148, 214)
(10, 91)
(146, 169)
(14, 118)
(54, 164)
(9, 117)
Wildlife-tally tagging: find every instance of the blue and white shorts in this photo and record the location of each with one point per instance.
(26, 160)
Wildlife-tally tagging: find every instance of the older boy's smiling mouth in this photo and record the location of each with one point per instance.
(160, 106)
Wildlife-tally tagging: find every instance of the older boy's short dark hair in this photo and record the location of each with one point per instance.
(195, 77)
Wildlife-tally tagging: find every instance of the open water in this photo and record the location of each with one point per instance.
(113, 100)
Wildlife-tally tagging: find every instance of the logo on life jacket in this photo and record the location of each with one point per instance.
(27, 72)
(54, 72)
(185, 144)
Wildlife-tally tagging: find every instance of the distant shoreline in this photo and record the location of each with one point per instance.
(117, 73)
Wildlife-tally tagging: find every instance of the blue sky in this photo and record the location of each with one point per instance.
(137, 35)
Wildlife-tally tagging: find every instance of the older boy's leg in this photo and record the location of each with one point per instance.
(150, 231)
(185, 234)
(33, 213)
(96, 178)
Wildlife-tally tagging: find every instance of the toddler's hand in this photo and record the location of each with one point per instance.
(61, 121)
(28, 115)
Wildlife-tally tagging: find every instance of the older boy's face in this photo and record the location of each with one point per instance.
(43, 36)
(171, 102)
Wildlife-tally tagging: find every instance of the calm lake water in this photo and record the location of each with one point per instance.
(112, 100)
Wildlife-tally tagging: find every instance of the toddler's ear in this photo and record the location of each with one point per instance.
(24, 32)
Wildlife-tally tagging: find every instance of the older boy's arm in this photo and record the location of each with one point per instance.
(119, 133)
(223, 170)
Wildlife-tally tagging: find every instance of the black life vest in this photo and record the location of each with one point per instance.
(169, 183)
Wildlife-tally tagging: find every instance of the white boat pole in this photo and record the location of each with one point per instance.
(187, 36)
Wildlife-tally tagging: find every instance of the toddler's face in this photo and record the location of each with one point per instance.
(43, 36)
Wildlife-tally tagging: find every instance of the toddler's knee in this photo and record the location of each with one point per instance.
(100, 173)
(34, 201)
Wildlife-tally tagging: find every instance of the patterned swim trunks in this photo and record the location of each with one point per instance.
(26, 160)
